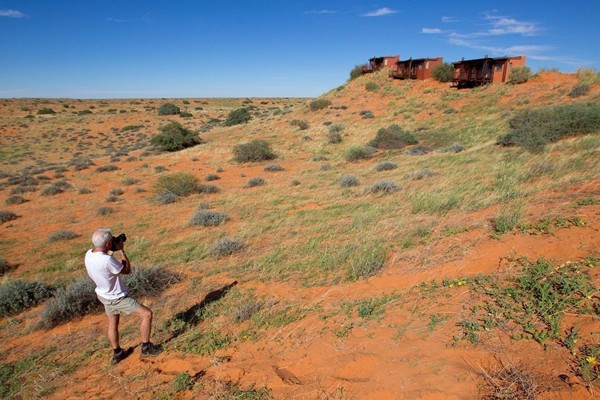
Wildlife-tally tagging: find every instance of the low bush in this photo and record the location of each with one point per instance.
(6, 216)
(212, 177)
(117, 192)
(132, 128)
(15, 199)
(392, 137)
(385, 187)
(52, 190)
(443, 72)
(105, 211)
(6, 267)
(107, 168)
(325, 167)
(385, 166)
(62, 235)
(349, 181)
(580, 89)
(46, 110)
(295, 182)
(534, 128)
(519, 75)
(174, 137)
(178, 183)
(371, 86)
(357, 71)
(79, 297)
(418, 150)
(357, 153)
(168, 109)
(226, 246)
(17, 296)
(421, 174)
(335, 128)
(273, 168)
(334, 138)
(255, 182)
(166, 198)
(319, 104)
(301, 124)
(256, 150)
(455, 148)
(130, 181)
(183, 381)
(185, 114)
(238, 116)
(367, 114)
(207, 189)
(208, 218)
(84, 191)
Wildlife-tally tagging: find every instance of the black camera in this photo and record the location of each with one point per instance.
(116, 241)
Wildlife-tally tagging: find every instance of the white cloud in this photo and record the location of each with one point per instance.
(449, 19)
(464, 41)
(12, 14)
(431, 30)
(380, 12)
(320, 12)
(501, 25)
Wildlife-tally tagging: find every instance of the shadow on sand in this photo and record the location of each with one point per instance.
(184, 320)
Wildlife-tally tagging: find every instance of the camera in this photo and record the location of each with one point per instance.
(116, 241)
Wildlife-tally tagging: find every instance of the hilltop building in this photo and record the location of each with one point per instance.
(378, 63)
(418, 68)
(481, 71)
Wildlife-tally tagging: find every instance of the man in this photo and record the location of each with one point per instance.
(106, 273)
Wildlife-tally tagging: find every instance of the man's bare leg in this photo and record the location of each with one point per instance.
(146, 324)
(113, 331)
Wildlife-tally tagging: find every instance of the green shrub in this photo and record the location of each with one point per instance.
(534, 128)
(392, 137)
(105, 211)
(107, 168)
(62, 235)
(17, 296)
(385, 166)
(208, 218)
(319, 104)
(371, 86)
(273, 168)
(356, 153)
(443, 72)
(166, 198)
(185, 114)
(178, 183)
(174, 136)
(334, 138)
(238, 116)
(79, 297)
(349, 181)
(357, 71)
(6, 216)
(580, 89)
(255, 182)
(256, 150)
(506, 221)
(183, 381)
(300, 123)
(168, 109)
(46, 110)
(226, 246)
(15, 199)
(385, 187)
(520, 75)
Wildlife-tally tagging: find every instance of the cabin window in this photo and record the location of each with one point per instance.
(498, 67)
(385, 62)
(427, 65)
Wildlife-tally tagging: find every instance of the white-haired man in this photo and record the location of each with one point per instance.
(106, 273)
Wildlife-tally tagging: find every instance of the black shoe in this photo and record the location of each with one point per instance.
(151, 350)
(118, 357)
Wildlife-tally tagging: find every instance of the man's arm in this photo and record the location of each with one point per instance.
(126, 264)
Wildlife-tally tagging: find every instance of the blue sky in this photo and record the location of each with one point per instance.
(243, 48)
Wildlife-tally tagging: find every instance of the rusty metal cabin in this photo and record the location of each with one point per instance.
(377, 63)
(483, 71)
(418, 68)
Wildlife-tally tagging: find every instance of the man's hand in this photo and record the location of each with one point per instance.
(125, 261)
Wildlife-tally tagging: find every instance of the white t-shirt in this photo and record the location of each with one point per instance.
(104, 271)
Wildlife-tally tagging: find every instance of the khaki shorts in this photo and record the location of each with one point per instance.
(115, 307)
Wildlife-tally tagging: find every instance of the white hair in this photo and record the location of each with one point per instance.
(101, 236)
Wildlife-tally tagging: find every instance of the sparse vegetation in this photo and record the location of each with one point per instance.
(208, 218)
(226, 246)
(535, 128)
(300, 123)
(273, 168)
(253, 182)
(385, 187)
(15, 199)
(443, 72)
(62, 235)
(580, 89)
(357, 153)
(174, 137)
(371, 86)
(356, 72)
(237, 117)
(178, 183)
(105, 211)
(385, 166)
(349, 181)
(17, 296)
(392, 137)
(519, 75)
(168, 109)
(256, 150)
(46, 111)
(6, 216)
(319, 104)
